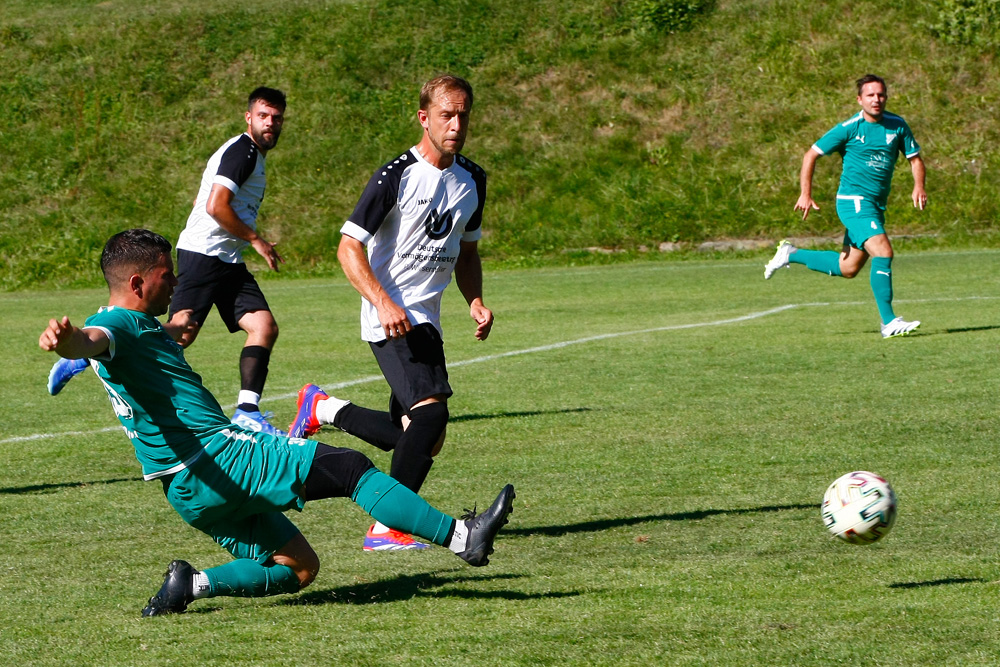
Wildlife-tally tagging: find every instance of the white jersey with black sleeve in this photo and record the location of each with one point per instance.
(239, 166)
(413, 217)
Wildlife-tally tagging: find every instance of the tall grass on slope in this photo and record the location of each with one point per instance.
(596, 130)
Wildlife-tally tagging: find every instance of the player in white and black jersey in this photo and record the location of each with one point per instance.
(418, 222)
(222, 223)
(210, 265)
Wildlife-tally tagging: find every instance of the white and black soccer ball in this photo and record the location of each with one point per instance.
(859, 507)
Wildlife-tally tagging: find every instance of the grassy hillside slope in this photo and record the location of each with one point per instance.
(595, 129)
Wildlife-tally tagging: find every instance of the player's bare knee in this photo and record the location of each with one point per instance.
(308, 574)
(268, 333)
(300, 557)
(272, 331)
(306, 567)
(261, 328)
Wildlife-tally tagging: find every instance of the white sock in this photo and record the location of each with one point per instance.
(459, 537)
(201, 588)
(247, 396)
(327, 409)
(379, 528)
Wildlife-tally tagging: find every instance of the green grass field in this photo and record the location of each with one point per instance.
(670, 428)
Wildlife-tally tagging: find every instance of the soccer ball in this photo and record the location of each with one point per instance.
(859, 507)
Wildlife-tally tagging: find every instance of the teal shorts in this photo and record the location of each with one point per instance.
(862, 217)
(237, 490)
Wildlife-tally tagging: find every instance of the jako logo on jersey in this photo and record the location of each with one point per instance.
(438, 226)
(861, 139)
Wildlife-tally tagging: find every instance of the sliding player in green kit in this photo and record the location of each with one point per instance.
(230, 482)
(870, 143)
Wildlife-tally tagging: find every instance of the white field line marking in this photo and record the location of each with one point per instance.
(541, 348)
(590, 339)
(477, 360)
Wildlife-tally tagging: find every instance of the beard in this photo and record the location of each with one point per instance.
(264, 142)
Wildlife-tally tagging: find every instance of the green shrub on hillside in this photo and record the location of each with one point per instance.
(669, 16)
(969, 23)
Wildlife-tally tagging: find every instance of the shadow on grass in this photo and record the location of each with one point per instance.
(505, 415)
(605, 524)
(971, 329)
(44, 488)
(405, 587)
(939, 582)
(921, 333)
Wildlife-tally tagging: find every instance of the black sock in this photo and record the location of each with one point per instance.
(253, 368)
(412, 460)
(372, 426)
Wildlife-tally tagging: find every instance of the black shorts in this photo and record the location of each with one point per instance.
(414, 368)
(204, 281)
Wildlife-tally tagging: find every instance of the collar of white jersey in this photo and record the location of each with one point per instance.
(420, 157)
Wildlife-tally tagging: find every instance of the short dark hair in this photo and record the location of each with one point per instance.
(129, 252)
(272, 96)
(443, 82)
(871, 78)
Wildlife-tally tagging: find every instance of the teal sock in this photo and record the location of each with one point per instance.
(824, 261)
(393, 504)
(246, 578)
(881, 280)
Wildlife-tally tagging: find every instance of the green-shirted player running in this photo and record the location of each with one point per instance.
(869, 143)
(228, 481)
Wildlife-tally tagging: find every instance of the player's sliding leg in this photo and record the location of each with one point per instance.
(336, 472)
(396, 506)
(242, 577)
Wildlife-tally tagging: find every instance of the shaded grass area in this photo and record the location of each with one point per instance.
(596, 130)
(669, 470)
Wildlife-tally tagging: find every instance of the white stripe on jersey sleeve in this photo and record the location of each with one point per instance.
(356, 231)
(108, 354)
(226, 183)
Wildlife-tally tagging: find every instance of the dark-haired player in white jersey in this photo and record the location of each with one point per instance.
(417, 222)
(210, 267)
(210, 264)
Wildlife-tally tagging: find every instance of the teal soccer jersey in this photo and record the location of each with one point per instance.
(168, 416)
(870, 151)
(226, 481)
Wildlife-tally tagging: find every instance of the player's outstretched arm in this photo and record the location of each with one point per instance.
(919, 174)
(469, 276)
(805, 202)
(72, 342)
